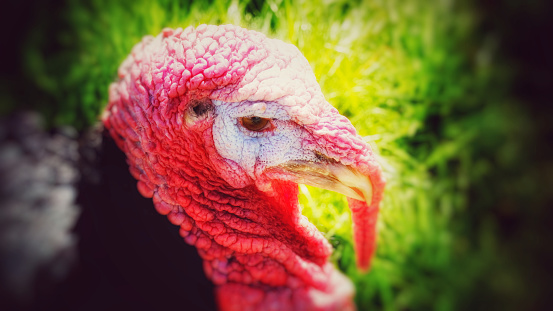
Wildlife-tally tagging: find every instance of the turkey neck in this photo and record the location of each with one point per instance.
(245, 236)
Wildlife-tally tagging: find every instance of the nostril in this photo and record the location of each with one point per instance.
(323, 158)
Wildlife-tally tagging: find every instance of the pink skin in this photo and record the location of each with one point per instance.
(240, 211)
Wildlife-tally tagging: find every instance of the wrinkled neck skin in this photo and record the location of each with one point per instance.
(258, 249)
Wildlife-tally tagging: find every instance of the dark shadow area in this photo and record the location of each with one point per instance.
(124, 256)
(131, 257)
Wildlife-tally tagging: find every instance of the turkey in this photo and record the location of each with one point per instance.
(219, 124)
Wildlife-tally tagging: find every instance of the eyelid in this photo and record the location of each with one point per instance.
(260, 106)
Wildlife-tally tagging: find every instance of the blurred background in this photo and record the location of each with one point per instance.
(454, 95)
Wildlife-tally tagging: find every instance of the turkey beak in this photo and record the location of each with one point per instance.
(333, 176)
(358, 187)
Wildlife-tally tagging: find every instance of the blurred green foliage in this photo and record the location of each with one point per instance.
(417, 78)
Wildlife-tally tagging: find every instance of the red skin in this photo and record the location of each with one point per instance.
(258, 249)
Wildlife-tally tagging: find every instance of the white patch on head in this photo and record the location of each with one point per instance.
(256, 151)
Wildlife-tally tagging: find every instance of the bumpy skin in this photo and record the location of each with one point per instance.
(175, 112)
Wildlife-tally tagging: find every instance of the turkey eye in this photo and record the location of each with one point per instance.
(256, 124)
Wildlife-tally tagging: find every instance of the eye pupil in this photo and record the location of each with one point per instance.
(256, 124)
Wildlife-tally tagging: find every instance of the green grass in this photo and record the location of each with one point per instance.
(417, 79)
